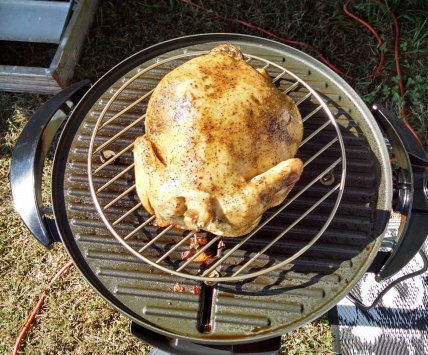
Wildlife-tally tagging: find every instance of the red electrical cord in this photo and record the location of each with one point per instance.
(303, 44)
(397, 60)
(398, 69)
(324, 60)
(372, 30)
(38, 306)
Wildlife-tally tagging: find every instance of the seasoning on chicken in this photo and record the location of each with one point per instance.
(219, 145)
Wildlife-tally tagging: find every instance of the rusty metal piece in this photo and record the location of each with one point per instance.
(328, 179)
(213, 274)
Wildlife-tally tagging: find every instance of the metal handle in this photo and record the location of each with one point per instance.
(28, 161)
(379, 297)
(412, 185)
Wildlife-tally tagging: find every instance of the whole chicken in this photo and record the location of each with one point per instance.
(218, 146)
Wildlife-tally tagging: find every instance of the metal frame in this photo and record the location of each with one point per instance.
(53, 79)
(40, 21)
(211, 273)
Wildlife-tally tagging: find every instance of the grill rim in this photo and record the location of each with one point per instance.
(115, 74)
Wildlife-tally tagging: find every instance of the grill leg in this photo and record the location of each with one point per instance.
(169, 346)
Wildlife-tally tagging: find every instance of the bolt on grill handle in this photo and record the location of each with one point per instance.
(28, 159)
(412, 195)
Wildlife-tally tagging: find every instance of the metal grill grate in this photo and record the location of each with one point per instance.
(320, 188)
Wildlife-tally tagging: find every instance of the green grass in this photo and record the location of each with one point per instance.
(74, 319)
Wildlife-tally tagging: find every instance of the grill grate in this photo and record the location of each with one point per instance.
(110, 161)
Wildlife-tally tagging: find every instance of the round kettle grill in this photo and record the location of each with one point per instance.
(299, 262)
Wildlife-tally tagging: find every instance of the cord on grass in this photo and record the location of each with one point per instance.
(325, 60)
(38, 307)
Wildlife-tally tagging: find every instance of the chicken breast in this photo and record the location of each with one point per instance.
(219, 145)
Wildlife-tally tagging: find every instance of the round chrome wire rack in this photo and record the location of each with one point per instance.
(266, 248)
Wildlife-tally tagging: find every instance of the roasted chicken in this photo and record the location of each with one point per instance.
(218, 146)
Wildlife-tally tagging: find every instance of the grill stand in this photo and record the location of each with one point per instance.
(172, 346)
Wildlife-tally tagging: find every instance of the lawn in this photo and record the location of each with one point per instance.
(74, 320)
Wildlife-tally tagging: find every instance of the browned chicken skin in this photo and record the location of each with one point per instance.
(219, 145)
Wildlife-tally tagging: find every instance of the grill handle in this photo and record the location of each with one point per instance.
(412, 184)
(28, 159)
